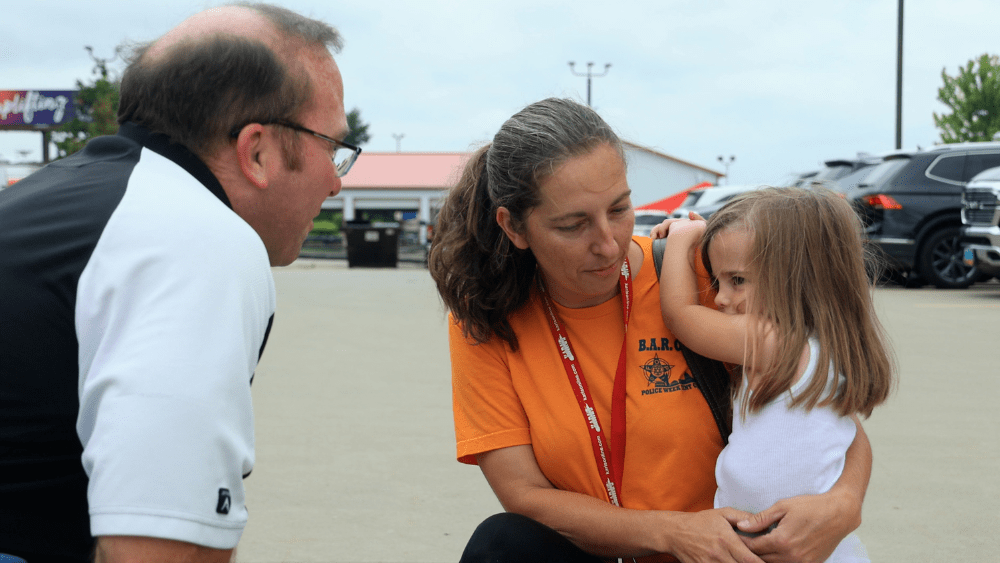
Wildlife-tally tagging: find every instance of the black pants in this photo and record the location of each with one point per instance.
(513, 538)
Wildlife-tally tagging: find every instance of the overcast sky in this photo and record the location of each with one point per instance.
(780, 84)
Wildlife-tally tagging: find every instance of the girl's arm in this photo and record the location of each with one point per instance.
(703, 329)
(810, 527)
(606, 530)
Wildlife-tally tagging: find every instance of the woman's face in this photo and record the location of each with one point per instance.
(581, 231)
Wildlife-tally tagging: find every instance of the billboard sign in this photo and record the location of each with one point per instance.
(36, 108)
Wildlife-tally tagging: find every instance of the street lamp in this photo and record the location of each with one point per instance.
(899, 78)
(589, 74)
(726, 164)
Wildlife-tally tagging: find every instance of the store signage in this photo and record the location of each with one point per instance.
(40, 108)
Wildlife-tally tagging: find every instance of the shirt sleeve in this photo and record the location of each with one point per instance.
(487, 409)
(170, 326)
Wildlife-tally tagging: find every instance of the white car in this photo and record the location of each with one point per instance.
(707, 201)
(646, 220)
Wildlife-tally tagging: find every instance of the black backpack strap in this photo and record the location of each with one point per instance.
(659, 246)
(711, 375)
(713, 380)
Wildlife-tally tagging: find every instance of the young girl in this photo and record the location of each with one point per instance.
(795, 311)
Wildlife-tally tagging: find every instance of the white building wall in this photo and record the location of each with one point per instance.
(653, 177)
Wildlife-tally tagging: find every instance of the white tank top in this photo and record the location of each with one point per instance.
(779, 452)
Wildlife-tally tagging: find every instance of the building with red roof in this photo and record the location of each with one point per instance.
(417, 181)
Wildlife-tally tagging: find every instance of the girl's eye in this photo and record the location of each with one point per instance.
(570, 228)
(738, 280)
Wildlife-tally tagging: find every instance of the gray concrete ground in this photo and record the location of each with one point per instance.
(355, 444)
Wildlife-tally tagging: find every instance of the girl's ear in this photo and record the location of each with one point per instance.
(507, 224)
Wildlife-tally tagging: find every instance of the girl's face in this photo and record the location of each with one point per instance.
(581, 231)
(728, 252)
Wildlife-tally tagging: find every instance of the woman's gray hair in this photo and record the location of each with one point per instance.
(481, 276)
(534, 142)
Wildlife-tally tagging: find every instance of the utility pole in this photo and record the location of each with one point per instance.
(398, 139)
(589, 74)
(726, 163)
(899, 80)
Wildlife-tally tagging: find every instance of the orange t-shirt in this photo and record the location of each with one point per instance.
(503, 398)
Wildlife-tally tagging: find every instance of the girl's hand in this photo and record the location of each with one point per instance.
(660, 231)
(691, 227)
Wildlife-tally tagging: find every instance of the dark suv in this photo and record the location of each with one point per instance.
(911, 206)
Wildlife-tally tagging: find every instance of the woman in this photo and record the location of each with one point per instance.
(561, 359)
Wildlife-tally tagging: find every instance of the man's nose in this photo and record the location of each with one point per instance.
(337, 184)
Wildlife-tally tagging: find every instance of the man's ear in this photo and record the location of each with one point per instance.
(252, 152)
(507, 224)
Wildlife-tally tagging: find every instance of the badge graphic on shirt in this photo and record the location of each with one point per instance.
(658, 371)
(224, 501)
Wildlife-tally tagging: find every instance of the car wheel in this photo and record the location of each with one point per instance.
(941, 260)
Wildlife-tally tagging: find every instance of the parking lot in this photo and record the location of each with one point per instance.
(355, 444)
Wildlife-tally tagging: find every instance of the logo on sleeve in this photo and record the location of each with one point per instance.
(224, 502)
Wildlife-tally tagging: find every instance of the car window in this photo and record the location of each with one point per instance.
(883, 172)
(977, 162)
(649, 219)
(831, 173)
(988, 174)
(947, 168)
(851, 181)
(692, 198)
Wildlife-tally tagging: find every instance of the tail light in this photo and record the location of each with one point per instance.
(882, 201)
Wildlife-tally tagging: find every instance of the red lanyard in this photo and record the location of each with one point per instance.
(611, 473)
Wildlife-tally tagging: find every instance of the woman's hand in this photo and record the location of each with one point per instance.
(808, 528)
(608, 531)
(708, 536)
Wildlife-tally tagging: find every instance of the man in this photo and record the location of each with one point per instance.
(136, 293)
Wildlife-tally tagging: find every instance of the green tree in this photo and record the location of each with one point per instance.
(96, 109)
(359, 129)
(974, 98)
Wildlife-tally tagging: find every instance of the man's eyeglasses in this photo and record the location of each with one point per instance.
(344, 154)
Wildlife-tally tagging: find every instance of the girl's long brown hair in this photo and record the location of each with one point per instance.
(808, 265)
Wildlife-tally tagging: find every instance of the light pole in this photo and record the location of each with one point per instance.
(398, 139)
(726, 164)
(899, 79)
(589, 74)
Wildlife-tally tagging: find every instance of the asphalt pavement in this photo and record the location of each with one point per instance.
(355, 443)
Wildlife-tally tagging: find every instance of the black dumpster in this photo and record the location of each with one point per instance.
(373, 245)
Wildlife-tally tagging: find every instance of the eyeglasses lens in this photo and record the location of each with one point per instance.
(343, 159)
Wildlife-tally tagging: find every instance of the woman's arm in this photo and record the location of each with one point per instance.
(606, 530)
(810, 527)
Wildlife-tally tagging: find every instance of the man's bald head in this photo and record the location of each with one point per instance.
(221, 69)
(279, 28)
(238, 21)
